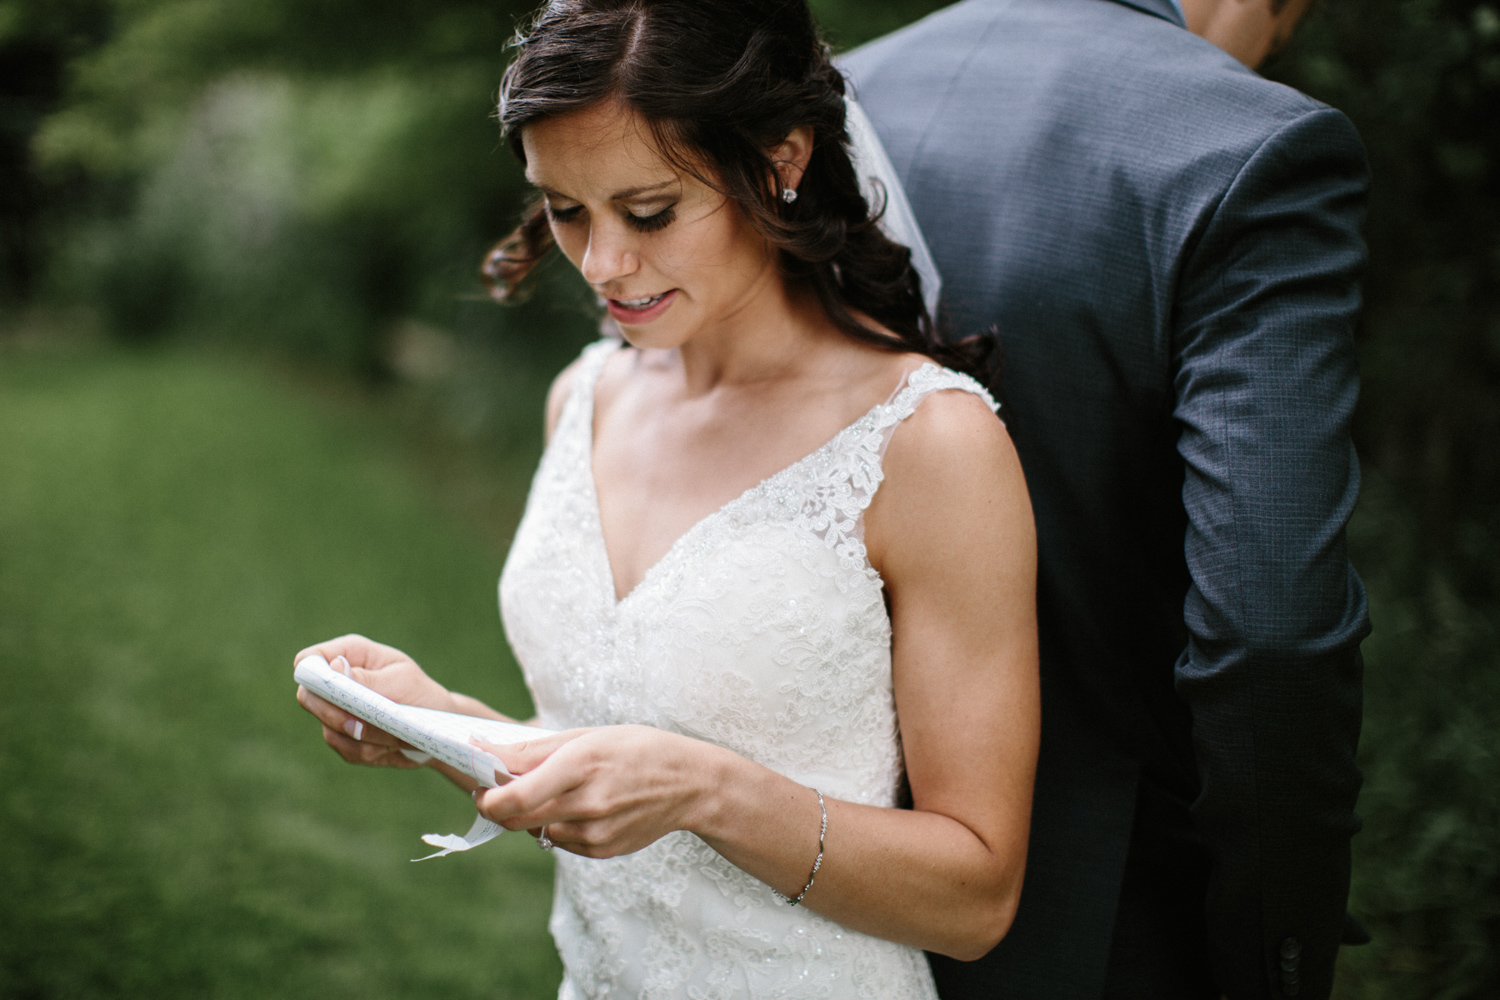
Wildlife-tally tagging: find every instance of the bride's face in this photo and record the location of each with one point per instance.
(669, 255)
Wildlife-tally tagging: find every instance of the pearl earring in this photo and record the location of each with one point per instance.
(789, 195)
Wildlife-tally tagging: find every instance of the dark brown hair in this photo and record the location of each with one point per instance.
(721, 83)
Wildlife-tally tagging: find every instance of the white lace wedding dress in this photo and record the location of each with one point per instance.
(763, 630)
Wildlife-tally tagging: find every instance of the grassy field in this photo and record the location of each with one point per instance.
(172, 529)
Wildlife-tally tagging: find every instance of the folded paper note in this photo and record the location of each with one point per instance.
(444, 735)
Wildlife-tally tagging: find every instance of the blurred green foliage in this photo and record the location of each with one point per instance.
(317, 179)
(1421, 80)
(298, 175)
(37, 43)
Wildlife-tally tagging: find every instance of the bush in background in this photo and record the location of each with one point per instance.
(298, 176)
(38, 42)
(1421, 80)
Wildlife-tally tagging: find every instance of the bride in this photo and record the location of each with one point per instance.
(775, 576)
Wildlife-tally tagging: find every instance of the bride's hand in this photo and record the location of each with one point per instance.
(602, 792)
(382, 669)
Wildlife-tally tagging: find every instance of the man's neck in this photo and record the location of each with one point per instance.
(1167, 10)
(1249, 30)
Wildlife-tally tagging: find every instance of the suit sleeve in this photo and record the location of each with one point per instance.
(1265, 383)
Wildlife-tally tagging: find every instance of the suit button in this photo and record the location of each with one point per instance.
(1291, 957)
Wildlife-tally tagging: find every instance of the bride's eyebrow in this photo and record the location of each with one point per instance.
(625, 195)
(636, 192)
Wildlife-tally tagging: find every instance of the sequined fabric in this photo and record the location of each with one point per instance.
(763, 630)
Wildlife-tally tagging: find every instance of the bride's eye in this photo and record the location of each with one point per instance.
(559, 216)
(651, 223)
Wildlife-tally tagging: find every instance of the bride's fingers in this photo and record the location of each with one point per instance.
(604, 836)
(321, 709)
(362, 752)
(357, 650)
(521, 758)
(353, 647)
(330, 715)
(575, 835)
(337, 719)
(533, 799)
(558, 819)
(366, 733)
(352, 750)
(575, 822)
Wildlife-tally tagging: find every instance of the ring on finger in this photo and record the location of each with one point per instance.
(543, 841)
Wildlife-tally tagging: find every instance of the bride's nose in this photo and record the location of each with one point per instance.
(610, 255)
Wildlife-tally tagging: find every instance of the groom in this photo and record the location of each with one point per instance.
(1169, 246)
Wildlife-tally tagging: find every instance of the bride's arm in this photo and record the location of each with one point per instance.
(952, 535)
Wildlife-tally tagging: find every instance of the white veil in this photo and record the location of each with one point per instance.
(877, 177)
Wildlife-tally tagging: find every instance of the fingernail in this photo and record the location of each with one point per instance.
(341, 664)
(355, 728)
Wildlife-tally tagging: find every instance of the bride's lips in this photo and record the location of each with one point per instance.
(652, 308)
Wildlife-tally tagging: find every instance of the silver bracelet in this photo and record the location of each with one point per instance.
(817, 862)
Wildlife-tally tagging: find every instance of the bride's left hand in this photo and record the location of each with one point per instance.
(603, 792)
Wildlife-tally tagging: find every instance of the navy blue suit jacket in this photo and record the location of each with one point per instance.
(1170, 248)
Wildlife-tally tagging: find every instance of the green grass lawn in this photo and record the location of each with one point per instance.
(172, 529)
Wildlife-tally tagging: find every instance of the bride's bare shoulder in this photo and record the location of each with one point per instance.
(951, 473)
(951, 431)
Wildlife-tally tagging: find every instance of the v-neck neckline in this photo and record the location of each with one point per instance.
(612, 591)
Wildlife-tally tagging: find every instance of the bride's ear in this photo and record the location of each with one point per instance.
(790, 156)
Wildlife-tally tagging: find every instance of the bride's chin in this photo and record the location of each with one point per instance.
(656, 336)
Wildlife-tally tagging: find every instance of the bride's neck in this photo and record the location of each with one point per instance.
(771, 335)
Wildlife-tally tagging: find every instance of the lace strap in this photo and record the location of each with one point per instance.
(591, 364)
(571, 433)
(928, 379)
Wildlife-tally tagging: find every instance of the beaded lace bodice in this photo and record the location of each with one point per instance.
(763, 629)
